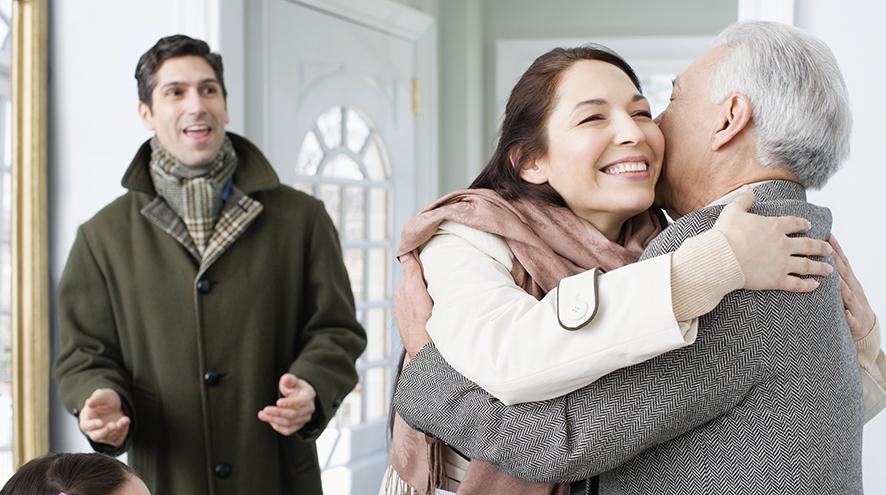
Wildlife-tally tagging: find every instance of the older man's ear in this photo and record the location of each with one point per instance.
(735, 117)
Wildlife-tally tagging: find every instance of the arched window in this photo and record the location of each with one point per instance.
(343, 161)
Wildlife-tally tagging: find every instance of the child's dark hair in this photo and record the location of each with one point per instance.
(71, 474)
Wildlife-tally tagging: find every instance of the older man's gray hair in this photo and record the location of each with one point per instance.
(800, 104)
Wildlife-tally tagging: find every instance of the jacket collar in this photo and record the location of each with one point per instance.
(779, 190)
(253, 173)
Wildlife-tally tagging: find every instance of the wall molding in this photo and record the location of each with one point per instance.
(30, 241)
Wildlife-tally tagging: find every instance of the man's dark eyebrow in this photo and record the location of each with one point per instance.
(179, 83)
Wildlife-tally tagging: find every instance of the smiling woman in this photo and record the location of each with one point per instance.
(604, 153)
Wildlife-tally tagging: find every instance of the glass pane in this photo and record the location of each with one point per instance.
(379, 267)
(6, 5)
(4, 33)
(349, 412)
(330, 127)
(376, 334)
(5, 374)
(379, 215)
(6, 206)
(304, 187)
(5, 286)
(309, 156)
(354, 263)
(357, 131)
(355, 213)
(5, 399)
(375, 160)
(7, 133)
(342, 166)
(376, 393)
(330, 194)
(657, 89)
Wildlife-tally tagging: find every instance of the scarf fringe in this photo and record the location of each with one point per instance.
(393, 485)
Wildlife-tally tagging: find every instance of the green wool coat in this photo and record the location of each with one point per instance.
(196, 356)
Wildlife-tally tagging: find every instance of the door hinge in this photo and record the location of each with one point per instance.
(416, 98)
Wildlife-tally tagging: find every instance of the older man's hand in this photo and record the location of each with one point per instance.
(293, 409)
(412, 306)
(102, 418)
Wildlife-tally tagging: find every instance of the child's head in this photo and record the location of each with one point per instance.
(75, 474)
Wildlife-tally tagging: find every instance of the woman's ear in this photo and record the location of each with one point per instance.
(735, 117)
(533, 171)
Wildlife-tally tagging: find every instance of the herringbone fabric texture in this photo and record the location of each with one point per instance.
(768, 399)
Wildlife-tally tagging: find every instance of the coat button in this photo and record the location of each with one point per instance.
(222, 470)
(212, 378)
(577, 310)
(204, 286)
(336, 403)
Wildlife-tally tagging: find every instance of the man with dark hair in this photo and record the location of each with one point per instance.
(206, 320)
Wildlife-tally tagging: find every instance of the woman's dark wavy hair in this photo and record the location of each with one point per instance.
(73, 474)
(523, 136)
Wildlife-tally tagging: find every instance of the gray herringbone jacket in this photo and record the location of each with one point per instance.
(768, 400)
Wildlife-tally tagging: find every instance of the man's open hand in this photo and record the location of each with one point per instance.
(293, 409)
(102, 418)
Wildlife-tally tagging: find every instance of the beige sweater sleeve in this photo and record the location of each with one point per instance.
(872, 362)
(703, 271)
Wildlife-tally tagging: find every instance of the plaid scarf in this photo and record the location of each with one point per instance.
(193, 193)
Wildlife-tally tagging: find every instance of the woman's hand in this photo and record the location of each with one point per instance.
(769, 259)
(412, 306)
(859, 314)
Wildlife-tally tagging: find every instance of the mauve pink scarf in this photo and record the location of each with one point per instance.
(549, 243)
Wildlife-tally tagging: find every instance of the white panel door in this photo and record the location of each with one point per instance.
(337, 121)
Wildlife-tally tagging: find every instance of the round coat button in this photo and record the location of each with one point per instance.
(223, 470)
(577, 310)
(212, 378)
(204, 286)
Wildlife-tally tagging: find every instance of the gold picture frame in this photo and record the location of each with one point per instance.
(30, 242)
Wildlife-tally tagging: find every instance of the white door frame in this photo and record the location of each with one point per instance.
(383, 15)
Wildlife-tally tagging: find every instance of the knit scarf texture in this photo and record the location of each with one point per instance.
(548, 243)
(193, 192)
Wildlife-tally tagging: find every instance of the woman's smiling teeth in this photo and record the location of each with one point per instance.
(625, 167)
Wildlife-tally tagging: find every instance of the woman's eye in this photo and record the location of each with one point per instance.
(209, 91)
(591, 118)
(173, 92)
(643, 113)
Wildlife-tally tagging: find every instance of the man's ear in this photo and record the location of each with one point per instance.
(735, 117)
(144, 111)
(532, 172)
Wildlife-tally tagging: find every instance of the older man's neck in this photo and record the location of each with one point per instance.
(732, 177)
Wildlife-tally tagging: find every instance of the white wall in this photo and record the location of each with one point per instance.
(94, 129)
(853, 29)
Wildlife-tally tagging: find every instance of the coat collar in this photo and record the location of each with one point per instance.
(253, 173)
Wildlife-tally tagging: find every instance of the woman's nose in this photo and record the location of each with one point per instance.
(628, 132)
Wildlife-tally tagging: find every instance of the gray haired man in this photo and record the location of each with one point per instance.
(768, 399)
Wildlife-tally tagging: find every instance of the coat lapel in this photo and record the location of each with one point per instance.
(238, 213)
